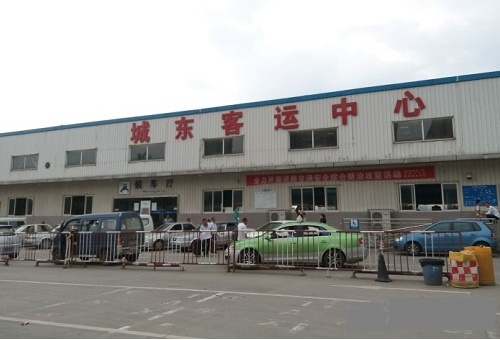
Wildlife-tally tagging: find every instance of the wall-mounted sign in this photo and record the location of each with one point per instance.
(485, 193)
(388, 174)
(124, 188)
(265, 200)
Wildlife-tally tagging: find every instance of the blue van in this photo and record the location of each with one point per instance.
(107, 237)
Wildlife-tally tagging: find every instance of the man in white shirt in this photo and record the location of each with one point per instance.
(492, 212)
(242, 226)
(205, 235)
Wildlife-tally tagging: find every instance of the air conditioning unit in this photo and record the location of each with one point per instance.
(277, 215)
(380, 219)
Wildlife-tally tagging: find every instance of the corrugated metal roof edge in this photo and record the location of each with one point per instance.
(370, 89)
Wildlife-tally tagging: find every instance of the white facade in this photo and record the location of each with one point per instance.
(365, 141)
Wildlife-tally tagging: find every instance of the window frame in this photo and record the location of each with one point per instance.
(313, 195)
(75, 208)
(449, 200)
(81, 156)
(221, 197)
(16, 161)
(221, 146)
(146, 155)
(423, 131)
(310, 138)
(13, 206)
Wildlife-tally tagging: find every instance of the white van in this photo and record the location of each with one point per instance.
(147, 221)
(16, 222)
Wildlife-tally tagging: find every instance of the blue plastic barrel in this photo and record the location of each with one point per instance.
(432, 270)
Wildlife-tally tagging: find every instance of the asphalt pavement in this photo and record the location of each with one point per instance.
(207, 301)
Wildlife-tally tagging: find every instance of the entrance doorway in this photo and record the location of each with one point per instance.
(160, 207)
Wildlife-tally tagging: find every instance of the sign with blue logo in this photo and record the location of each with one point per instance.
(353, 224)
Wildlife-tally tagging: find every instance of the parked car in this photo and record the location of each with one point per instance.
(36, 235)
(301, 243)
(447, 235)
(106, 236)
(14, 221)
(191, 241)
(10, 242)
(160, 238)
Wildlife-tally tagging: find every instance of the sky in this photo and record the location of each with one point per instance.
(66, 62)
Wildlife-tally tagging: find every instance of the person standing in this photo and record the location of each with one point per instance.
(478, 208)
(236, 214)
(205, 237)
(242, 226)
(322, 218)
(300, 213)
(492, 212)
(212, 226)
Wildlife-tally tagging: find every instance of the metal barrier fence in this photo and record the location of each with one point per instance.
(307, 248)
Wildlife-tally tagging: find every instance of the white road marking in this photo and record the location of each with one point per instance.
(187, 290)
(403, 289)
(270, 322)
(210, 297)
(155, 317)
(54, 305)
(300, 327)
(96, 329)
(173, 311)
(306, 303)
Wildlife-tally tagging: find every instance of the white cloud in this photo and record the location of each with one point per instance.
(68, 62)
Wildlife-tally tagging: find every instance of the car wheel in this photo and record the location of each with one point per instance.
(158, 245)
(481, 244)
(334, 258)
(249, 256)
(413, 249)
(46, 243)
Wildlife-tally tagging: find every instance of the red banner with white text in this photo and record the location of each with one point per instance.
(389, 174)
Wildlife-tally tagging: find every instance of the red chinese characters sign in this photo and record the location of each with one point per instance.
(407, 173)
(286, 118)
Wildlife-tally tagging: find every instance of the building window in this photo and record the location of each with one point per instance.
(423, 130)
(81, 157)
(77, 205)
(147, 152)
(316, 198)
(223, 146)
(222, 200)
(429, 197)
(20, 206)
(312, 139)
(24, 162)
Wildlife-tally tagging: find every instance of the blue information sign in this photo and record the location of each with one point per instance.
(485, 193)
(353, 224)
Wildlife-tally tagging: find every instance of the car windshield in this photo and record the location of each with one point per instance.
(269, 225)
(5, 228)
(164, 227)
